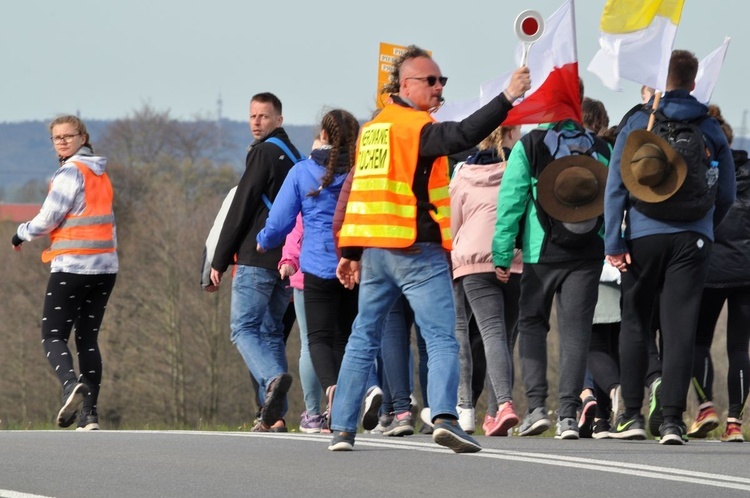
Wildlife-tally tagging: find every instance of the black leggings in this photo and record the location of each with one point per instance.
(604, 364)
(738, 339)
(80, 301)
(330, 309)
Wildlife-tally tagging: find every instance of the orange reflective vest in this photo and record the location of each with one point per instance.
(92, 231)
(382, 208)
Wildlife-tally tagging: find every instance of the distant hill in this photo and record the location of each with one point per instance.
(26, 152)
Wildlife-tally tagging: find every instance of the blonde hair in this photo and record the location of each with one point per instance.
(77, 123)
(495, 140)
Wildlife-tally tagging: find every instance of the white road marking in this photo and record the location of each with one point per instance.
(5, 493)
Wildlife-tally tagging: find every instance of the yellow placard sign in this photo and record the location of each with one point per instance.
(389, 53)
(374, 156)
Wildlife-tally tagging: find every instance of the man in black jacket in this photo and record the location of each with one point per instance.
(259, 295)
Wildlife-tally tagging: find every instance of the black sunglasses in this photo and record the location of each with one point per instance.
(431, 80)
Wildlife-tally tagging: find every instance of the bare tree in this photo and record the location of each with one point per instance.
(34, 190)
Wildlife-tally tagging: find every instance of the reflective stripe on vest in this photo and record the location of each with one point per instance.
(91, 220)
(382, 209)
(90, 232)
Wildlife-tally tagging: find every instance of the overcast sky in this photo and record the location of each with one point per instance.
(105, 58)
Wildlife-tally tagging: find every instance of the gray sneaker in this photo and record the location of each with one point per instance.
(567, 428)
(342, 441)
(535, 422)
(383, 422)
(401, 425)
(449, 433)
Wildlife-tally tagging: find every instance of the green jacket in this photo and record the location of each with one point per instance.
(516, 207)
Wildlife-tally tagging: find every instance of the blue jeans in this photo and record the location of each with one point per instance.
(259, 300)
(311, 389)
(423, 276)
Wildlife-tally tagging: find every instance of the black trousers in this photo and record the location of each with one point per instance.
(738, 341)
(670, 268)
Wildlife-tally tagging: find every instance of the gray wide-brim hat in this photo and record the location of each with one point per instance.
(571, 189)
(650, 168)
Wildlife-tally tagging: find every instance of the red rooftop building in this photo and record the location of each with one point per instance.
(18, 213)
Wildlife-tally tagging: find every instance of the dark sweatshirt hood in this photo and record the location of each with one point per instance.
(321, 155)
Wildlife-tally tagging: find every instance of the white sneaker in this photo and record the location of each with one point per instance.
(425, 416)
(373, 401)
(466, 419)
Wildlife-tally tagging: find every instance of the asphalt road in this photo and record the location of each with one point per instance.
(187, 463)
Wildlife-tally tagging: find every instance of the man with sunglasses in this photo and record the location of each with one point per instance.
(396, 231)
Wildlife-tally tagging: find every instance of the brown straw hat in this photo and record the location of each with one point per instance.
(571, 189)
(650, 168)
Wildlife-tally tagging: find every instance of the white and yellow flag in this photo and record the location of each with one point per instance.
(636, 42)
(708, 73)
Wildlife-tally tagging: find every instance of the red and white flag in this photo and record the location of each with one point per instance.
(553, 62)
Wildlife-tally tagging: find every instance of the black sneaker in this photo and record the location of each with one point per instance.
(629, 428)
(601, 429)
(586, 420)
(401, 425)
(447, 432)
(71, 401)
(342, 441)
(273, 407)
(655, 416)
(88, 420)
(672, 433)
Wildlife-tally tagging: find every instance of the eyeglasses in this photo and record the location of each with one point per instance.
(59, 139)
(431, 80)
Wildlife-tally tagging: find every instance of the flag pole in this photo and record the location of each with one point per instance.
(652, 118)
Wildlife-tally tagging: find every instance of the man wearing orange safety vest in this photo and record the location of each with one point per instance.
(396, 232)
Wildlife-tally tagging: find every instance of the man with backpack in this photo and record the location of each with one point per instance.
(552, 194)
(259, 296)
(674, 184)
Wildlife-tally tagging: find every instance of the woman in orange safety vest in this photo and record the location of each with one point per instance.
(77, 215)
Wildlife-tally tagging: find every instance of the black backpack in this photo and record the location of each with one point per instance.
(554, 143)
(697, 194)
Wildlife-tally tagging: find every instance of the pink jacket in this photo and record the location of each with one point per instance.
(474, 190)
(290, 254)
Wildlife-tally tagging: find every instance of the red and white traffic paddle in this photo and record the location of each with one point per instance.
(529, 26)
